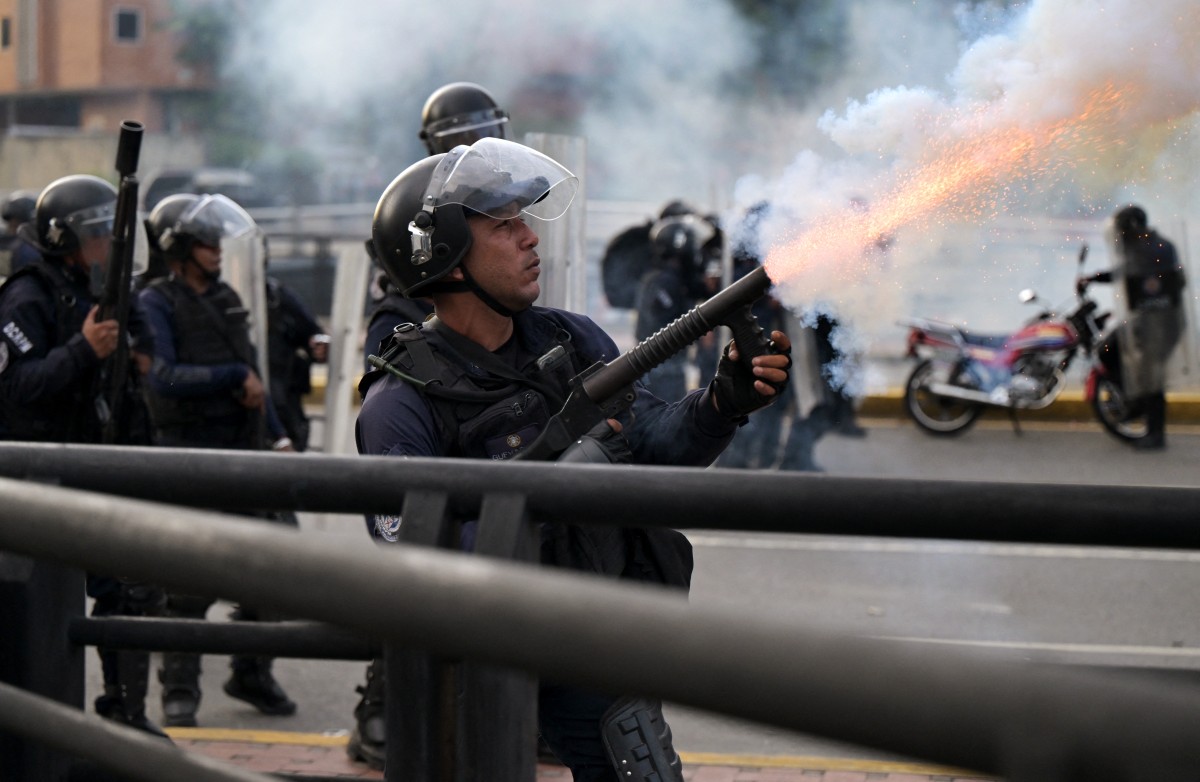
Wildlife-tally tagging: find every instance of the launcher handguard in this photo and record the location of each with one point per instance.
(603, 391)
(114, 299)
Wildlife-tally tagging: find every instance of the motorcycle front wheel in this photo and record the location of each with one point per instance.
(1111, 407)
(935, 414)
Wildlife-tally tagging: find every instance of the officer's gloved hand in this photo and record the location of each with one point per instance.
(740, 390)
(604, 444)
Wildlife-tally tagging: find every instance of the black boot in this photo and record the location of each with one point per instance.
(368, 741)
(180, 679)
(126, 676)
(1155, 406)
(253, 683)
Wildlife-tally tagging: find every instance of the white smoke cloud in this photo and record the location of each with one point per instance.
(643, 80)
(1028, 67)
(649, 86)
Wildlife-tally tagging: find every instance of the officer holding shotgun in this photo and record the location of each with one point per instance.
(53, 354)
(482, 378)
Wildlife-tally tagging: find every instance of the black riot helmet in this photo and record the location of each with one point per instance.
(180, 222)
(164, 230)
(18, 206)
(420, 231)
(70, 210)
(1131, 220)
(460, 113)
(680, 237)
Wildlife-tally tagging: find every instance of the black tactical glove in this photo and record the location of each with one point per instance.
(601, 445)
(733, 385)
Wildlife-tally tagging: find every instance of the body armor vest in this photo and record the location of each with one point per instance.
(68, 416)
(208, 330)
(485, 415)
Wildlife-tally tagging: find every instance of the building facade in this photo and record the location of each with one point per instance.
(86, 65)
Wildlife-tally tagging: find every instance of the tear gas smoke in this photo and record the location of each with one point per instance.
(1064, 109)
(958, 112)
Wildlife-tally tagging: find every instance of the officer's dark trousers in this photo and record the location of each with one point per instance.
(569, 720)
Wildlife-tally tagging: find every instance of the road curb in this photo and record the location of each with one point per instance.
(1071, 406)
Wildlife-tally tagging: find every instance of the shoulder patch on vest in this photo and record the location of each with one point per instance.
(13, 332)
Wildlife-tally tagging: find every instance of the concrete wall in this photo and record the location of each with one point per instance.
(32, 162)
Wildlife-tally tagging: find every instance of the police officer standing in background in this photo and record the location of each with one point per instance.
(1154, 281)
(672, 287)
(205, 391)
(456, 113)
(454, 228)
(294, 342)
(52, 352)
(16, 253)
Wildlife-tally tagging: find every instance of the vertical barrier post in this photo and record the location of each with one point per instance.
(419, 689)
(497, 707)
(456, 721)
(37, 600)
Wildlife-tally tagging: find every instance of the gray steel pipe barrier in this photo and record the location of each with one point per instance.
(132, 754)
(682, 498)
(1020, 720)
(308, 640)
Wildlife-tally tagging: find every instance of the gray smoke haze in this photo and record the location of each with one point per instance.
(642, 81)
(1023, 77)
(672, 100)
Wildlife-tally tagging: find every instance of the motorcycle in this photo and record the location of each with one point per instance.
(960, 374)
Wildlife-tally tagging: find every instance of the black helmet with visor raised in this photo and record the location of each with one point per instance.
(420, 231)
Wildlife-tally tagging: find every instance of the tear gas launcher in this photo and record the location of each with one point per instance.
(118, 277)
(602, 391)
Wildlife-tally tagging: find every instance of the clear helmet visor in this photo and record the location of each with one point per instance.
(502, 179)
(468, 128)
(215, 219)
(699, 230)
(92, 222)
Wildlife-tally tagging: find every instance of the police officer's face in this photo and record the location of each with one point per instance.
(93, 250)
(503, 260)
(208, 258)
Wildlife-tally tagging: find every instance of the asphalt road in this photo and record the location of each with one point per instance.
(1091, 606)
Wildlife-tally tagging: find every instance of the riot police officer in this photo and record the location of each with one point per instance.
(16, 253)
(205, 391)
(671, 287)
(1154, 281)
(454, 228)
(458, 113)
(294, 343)
(52, 352)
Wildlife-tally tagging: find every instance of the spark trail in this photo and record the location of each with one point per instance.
(964, 175)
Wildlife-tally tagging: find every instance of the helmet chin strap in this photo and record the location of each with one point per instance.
(212, 276)
(484, 296)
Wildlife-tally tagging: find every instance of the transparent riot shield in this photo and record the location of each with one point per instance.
(244, 268)
(561, 245)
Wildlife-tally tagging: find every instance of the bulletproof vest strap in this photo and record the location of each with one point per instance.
(425, 370)
(487, 360)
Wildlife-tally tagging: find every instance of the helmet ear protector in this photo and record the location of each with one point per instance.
(451, 223)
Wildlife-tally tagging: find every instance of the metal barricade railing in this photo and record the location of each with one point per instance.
(1024, 721)
(681, 498)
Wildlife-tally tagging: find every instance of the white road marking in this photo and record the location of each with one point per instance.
(1033, 646)
(959, 548)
